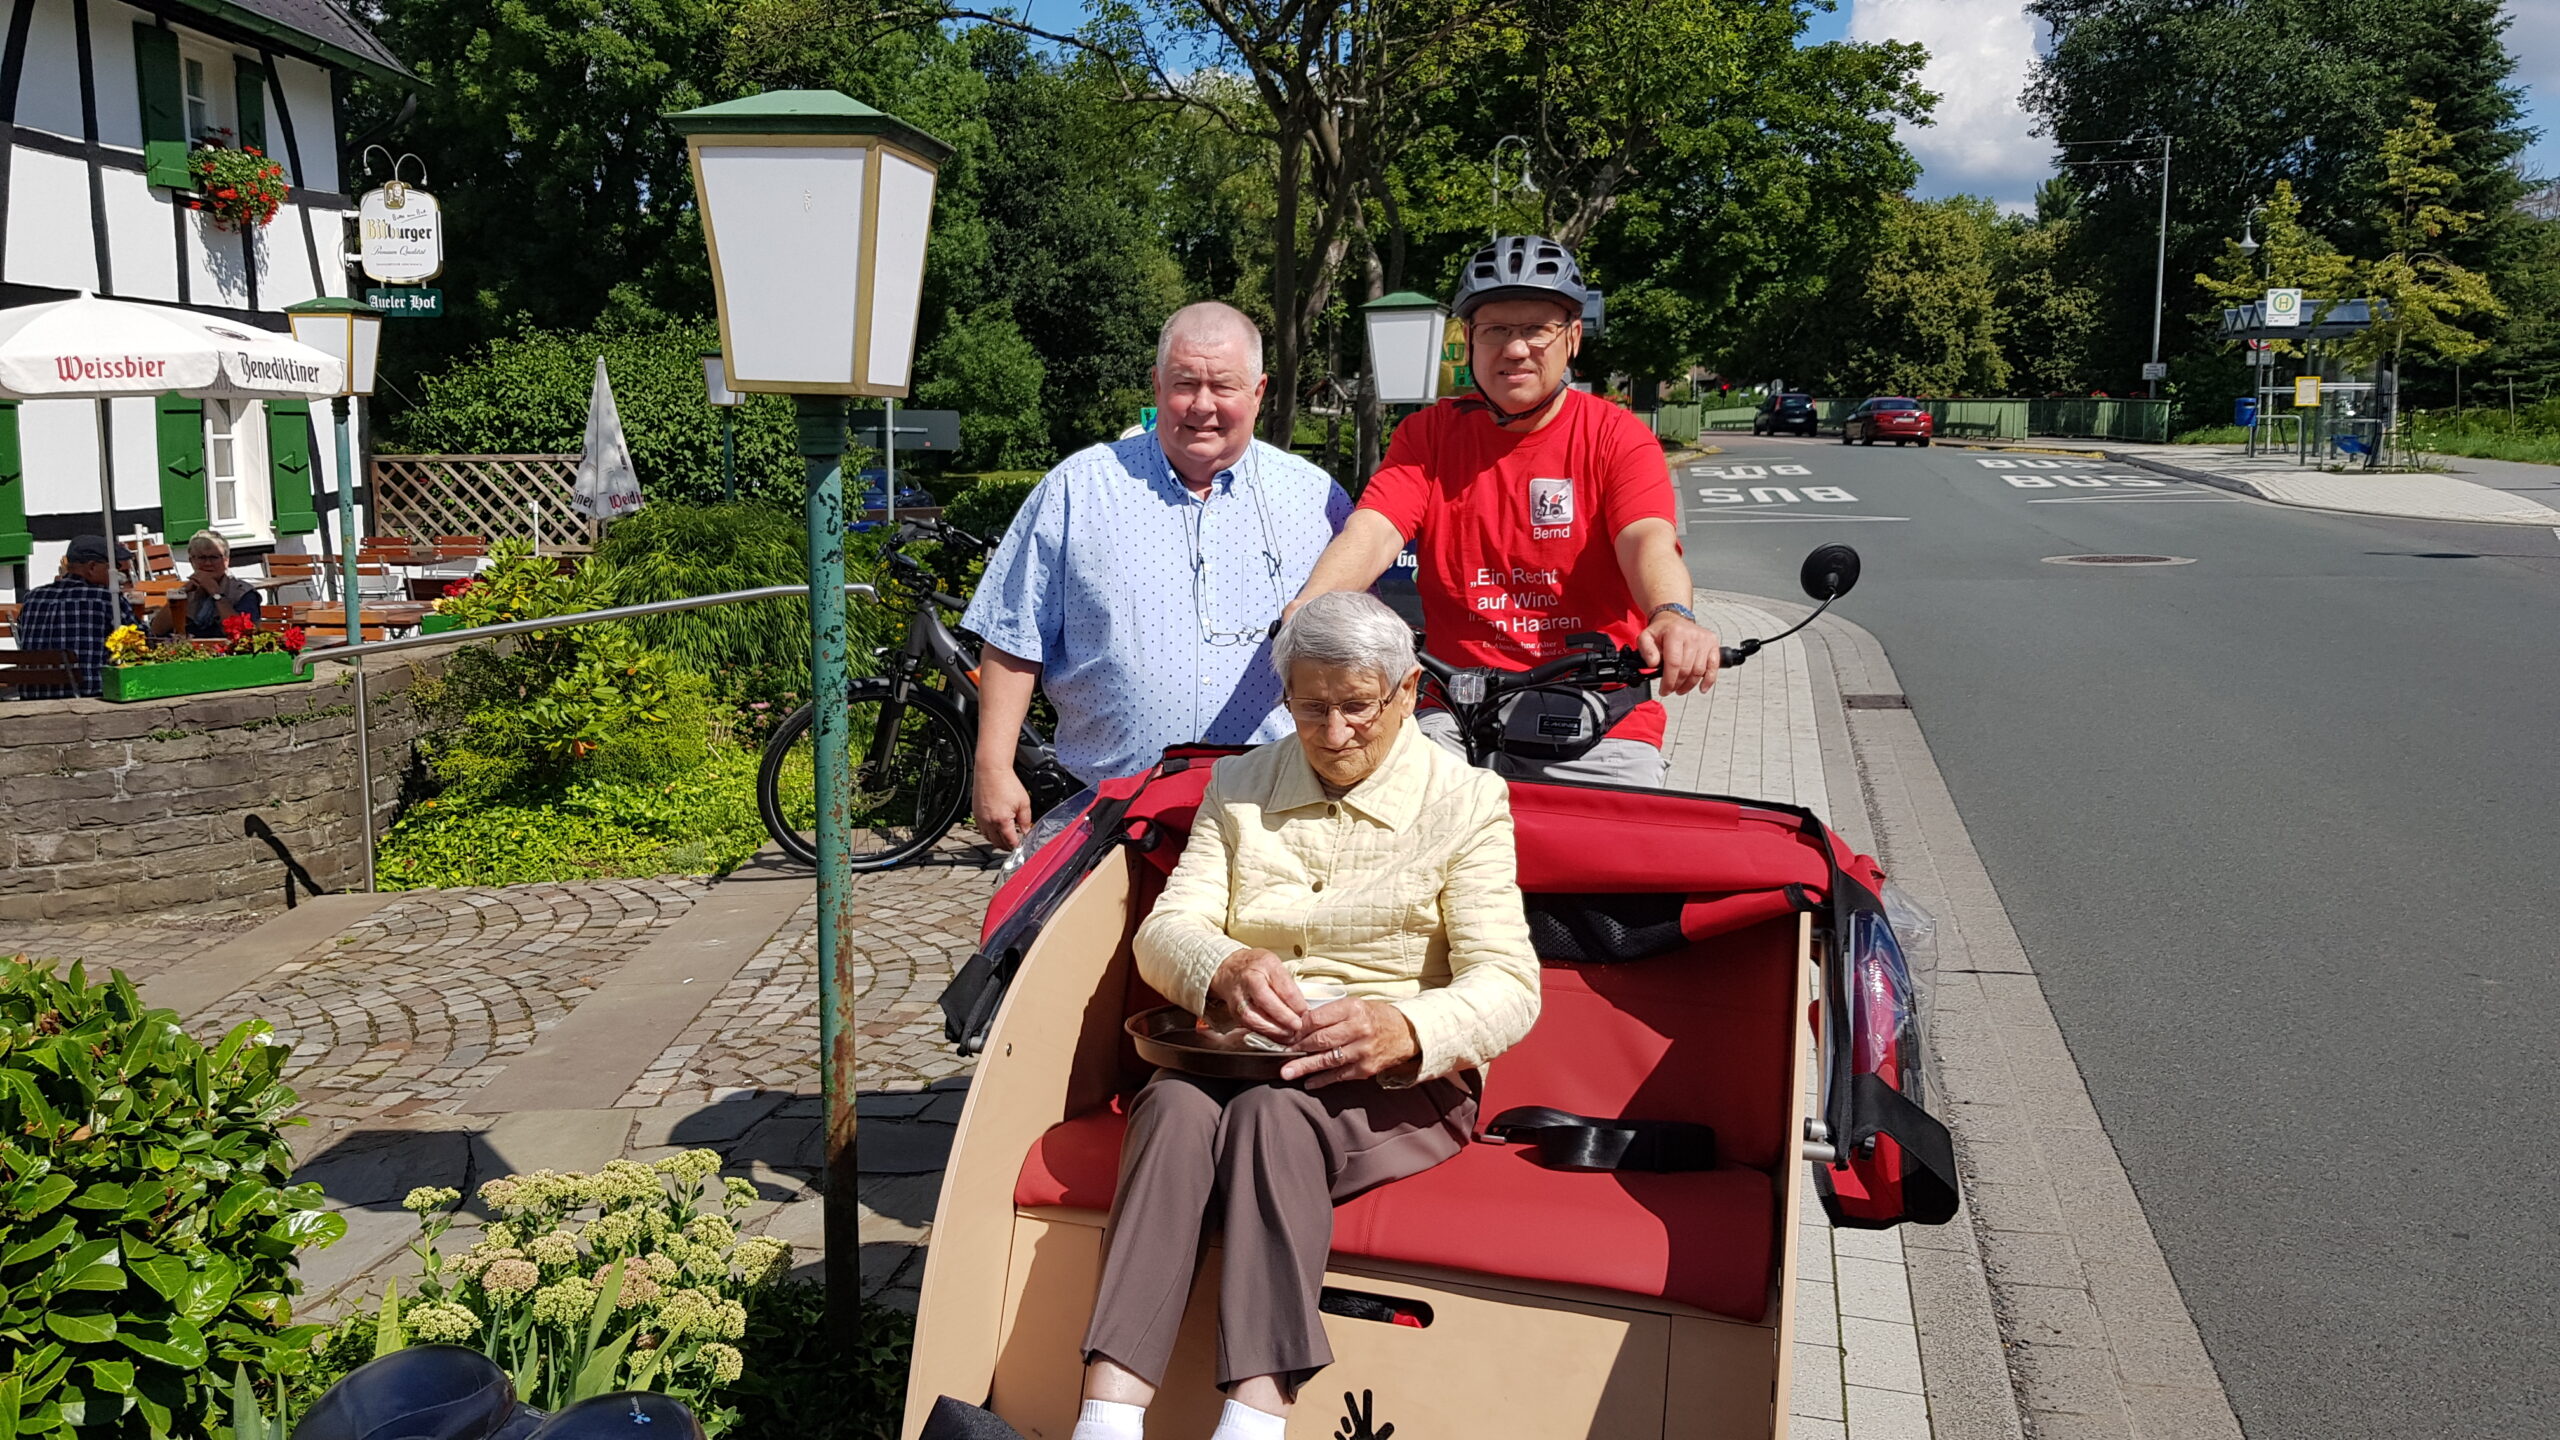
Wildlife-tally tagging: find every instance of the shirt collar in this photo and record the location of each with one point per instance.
(1391, 795)
(1222, 483)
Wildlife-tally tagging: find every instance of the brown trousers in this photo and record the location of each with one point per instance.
(1269, 1161)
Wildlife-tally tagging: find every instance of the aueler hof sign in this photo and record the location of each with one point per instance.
(400, 234)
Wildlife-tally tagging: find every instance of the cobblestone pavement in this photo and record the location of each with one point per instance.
(139, 948)
(914, 925)
(420, 1003)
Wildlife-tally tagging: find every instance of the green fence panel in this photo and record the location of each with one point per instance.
(1676, 423)
(2100, 419)
(1979, 419)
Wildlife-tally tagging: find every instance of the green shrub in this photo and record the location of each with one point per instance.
(527, 394)
(147, 1232)
(698, 822)
(986, 509)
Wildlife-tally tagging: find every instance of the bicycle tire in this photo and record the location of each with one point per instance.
(926, 787)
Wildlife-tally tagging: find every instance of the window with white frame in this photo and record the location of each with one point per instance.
(199, 88)
(235, 468)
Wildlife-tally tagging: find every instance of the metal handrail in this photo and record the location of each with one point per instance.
(355, 655)
(583, 617)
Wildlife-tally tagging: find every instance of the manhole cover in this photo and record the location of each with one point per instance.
(1874, 702)
(2118, 560)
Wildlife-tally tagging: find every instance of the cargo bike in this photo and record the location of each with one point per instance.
(1712, 966)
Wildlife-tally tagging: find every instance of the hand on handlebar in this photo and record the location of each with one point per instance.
(1685, 651)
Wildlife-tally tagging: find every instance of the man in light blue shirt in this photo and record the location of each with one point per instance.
(1142, 581)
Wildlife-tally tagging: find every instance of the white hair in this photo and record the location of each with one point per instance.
(1349, 628)
(204, 540)
(1211, 322)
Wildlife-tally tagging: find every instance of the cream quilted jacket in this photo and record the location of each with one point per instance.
(1406, 890)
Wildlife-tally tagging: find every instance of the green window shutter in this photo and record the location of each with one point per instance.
(184, 506)
(164, 106)
(249, 89)
(15, 542)
(289, 465)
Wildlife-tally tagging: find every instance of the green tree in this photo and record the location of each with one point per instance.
(983, 368)
(2290, 255)
(2425, 291)
(2049, 315)
(2255, 93)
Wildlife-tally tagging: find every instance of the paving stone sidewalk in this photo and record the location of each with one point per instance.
(2472, 491)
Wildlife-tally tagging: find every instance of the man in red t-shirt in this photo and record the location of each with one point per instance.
(1537, 511)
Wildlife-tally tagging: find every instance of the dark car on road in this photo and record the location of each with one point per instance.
(1791, 410)
(1888, 417)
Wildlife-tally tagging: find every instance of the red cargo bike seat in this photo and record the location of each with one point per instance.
(1702, 1033)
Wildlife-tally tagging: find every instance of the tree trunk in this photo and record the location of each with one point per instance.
(1280, 413)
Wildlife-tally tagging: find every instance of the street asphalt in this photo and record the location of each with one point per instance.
(2277, 828)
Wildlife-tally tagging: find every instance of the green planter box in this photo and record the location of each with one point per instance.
(198, 677)
(438, 624)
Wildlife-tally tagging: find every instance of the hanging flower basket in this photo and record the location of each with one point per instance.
(240, 188)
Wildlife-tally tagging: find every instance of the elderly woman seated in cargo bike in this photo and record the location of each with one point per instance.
(1359, 861)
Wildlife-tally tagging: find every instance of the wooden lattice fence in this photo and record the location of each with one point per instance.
(493, 495)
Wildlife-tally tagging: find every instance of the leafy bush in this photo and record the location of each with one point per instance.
(986, 509)
(147, 1232)
(668, 552)
(648, 1292)
(698, 822)
(527, 394)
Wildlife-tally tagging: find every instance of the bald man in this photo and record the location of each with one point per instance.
(1141, 582)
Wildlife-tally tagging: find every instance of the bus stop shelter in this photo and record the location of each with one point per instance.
(2357, 403)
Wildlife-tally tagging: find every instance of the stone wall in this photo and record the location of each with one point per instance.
(109, 810)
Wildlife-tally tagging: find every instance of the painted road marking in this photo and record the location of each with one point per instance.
(2140, 500)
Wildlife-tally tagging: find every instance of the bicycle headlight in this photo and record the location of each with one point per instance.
(1466, 687)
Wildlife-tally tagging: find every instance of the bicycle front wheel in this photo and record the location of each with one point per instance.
(906, 795)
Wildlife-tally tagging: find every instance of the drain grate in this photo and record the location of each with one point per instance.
(2118, 560)
(1875, 702)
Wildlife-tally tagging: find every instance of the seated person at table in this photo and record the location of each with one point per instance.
(1362, 856)
(212, 593)
(76, 613)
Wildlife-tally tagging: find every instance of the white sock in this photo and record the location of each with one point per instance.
(1110, 1420)
(1240, 1421)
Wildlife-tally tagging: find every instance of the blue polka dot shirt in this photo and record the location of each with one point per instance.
(1149, 609)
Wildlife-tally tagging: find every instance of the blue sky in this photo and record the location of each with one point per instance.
(1980, 50)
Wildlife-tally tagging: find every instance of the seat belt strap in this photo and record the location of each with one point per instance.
(1562, 1140)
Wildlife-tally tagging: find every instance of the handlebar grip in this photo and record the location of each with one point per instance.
(1732, 655)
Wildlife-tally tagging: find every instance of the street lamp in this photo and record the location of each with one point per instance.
(1522, 184)
(715, 383)
(815, 208)
(351, 332)
(1406, 333)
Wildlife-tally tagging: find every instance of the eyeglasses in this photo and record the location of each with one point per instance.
(1202, 601)
(1358, 714)
(1500, 336)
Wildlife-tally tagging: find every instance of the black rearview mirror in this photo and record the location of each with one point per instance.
(1829, 572)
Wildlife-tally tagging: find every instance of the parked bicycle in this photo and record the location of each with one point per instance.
(914, 726)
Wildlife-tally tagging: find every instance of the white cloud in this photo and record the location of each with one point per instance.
(1979, 55)
(2533, 38)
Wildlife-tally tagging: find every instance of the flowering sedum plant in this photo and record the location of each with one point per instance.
(619, 1280)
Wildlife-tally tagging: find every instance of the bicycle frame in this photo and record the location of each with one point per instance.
(933, 646)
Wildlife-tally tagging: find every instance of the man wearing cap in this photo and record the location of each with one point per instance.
(75, 613)
(1537, 511)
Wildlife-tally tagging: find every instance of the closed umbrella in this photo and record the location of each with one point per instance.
(101, 350)
(607, 487)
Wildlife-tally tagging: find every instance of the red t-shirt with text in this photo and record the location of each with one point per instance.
(1518, 533)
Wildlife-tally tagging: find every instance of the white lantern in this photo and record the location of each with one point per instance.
(349, 331)
(815, 207)
(715, 381)
(1406, 332)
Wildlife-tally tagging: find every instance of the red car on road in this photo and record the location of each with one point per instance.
(1888, 417)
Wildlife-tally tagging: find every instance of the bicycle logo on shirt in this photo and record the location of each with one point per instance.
(1550, 504)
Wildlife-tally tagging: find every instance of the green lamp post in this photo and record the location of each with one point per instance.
(815, 208)
(351, 331)
(715, 384)
(1406, 332)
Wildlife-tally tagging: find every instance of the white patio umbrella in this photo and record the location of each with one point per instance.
(101, 350)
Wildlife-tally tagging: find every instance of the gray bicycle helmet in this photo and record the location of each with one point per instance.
(1521, 267)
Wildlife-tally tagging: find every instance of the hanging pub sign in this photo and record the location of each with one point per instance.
(406, 302)
(400, 234)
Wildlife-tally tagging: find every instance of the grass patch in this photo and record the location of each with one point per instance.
(703, 822)
(2476, 445)
(2214, 435)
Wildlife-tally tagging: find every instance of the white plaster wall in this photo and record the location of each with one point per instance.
(286, 277)
(329, 238)
(49, 88)
(315, 123)
(119, 91)
(50, 242)
(217, 271)
(141, 242)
